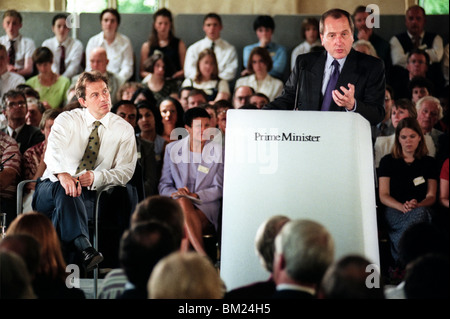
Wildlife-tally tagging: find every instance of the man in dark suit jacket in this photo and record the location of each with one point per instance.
(361, 84)
(15, 108)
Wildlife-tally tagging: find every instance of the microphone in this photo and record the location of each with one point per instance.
(299, 84)
(2, 166)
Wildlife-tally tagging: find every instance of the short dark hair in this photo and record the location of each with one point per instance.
(336, 13)
(112, 11)
(159, 128)
(194, 113)
(149, 63)
(12, 13)
(42, 55)
(265, 21)
(265, 56)
(213, 15)
(12, 94)
(195, 91)
(421, 82)
(149, 97)
(120, 103)
(59, 16)
(88, 77)
(419, 52)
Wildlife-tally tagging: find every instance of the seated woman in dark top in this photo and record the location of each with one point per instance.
(407, 181)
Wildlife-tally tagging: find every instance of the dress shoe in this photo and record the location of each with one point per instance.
(91, 258)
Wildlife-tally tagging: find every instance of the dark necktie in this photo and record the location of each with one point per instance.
(62, 59)
(416, 42)
(91, 152)
(12, 53)
(212, 45)
(327, 98)
(14, 134)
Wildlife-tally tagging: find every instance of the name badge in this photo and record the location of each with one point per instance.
(139, 155)
(203, 169)
(418, 180)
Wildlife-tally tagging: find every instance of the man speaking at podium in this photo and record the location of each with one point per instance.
(337, 79)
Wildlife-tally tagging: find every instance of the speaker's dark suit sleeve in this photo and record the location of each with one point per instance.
(365, 72)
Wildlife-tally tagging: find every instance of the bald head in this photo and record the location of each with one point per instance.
(98, 60)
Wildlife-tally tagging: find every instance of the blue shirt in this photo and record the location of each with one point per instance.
(278, 54)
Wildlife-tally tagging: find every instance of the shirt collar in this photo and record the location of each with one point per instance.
(90, 119)
(412, 37)
(330, 60)
(310, 290)
(18, 129)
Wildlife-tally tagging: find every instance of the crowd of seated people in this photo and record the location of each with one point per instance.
(37, 84)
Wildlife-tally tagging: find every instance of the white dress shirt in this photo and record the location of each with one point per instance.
(270, 86)
(68, 139)
(302, 48)
(24, 49)
(119, 53)
(74, 53)
(226, 55)
(9, 81)
(399, 56)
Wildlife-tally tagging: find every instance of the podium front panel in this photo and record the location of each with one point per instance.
(305, 165)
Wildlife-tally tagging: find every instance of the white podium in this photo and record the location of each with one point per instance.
(308, 165)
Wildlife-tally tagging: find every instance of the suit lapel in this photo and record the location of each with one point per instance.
(349, 74)
(315, 79)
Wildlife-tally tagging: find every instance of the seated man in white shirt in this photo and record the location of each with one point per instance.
(67, 52)
(225, 52)
(8, 80)
(20, 49)
(117, 45)
(66, 191)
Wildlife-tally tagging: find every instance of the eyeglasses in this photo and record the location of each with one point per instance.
(16, 104)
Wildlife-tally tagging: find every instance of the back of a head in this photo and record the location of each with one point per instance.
(427, 277)
(15, 281)
(265, 239)
(348, 278)
(163, 209)
(141, 248)
(27, 247)
(185, 276)
(308, 250)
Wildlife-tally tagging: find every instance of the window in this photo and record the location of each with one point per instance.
(434, 6)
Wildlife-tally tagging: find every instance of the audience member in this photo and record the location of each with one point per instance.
(306, 88)
(407, 182)
(258, 66)
(196, 97)
(383, 144)
(211, 109)
(185, 276)
(15, 282)
(365, 47)
(20, 48)
(27, 247)
(117, 45)
(127, 89)
(367, 33)
(50, 279)
(162, 39)
(151, 129)
(443, 196)
(99, 61)
(67, 51)
(193, 168)
(428, 277)
(33, 165)
(259, 100)
(52, 87)
(207, 77)
(65, 199)
(226, 54)
(156, 80)
(172, 116)
(141, 248)
(429, 112)
(414, 37)
(264, 27)
(35, 111)
(420, 87)
(265, 248)
(348, 278)
(15, 110)
(157, 208)
(8, 80)
(183, 94)
(222, 107)
(143, 94)
(242, 95)
(385, 128)
(304, 249)
(10, 161)
(147, 174)
(310, 35)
